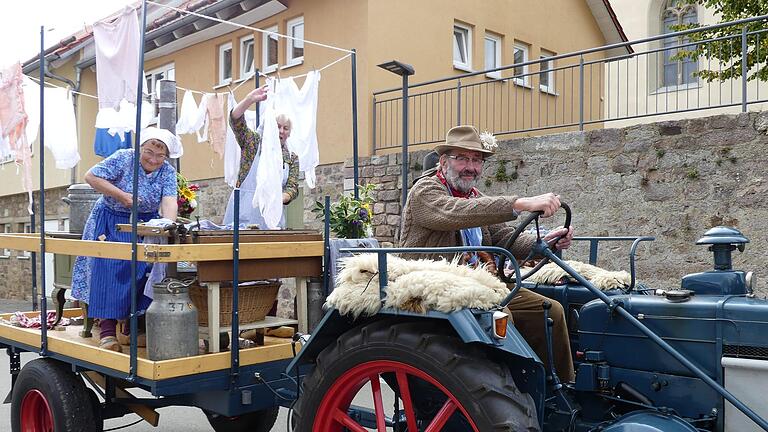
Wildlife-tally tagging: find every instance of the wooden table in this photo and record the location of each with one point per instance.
(282, 264)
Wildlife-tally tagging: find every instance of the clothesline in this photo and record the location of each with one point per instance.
(271, 33)
(250, 76)
(37, 80)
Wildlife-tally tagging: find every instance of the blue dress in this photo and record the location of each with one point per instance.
(105, 284)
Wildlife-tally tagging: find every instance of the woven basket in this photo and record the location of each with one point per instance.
(254, 302)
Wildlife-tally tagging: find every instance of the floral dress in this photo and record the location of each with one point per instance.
(249, 142)
(105, 284)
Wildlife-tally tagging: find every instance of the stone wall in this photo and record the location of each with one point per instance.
(671, 180)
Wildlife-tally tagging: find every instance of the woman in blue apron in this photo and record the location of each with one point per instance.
(250, 145)
(105, 284)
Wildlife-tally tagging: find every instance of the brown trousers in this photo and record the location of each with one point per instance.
(528, 316)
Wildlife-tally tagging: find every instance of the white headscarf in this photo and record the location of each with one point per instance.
(172, 141)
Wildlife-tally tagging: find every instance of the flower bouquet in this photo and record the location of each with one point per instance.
(187, 196)
(350, 217)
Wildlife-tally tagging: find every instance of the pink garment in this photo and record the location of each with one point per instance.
(19, 319)
(13, 122)
(217, 123)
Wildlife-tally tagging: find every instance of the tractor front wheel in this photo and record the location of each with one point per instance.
(440, 383)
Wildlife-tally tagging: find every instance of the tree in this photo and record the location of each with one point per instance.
(723, 46)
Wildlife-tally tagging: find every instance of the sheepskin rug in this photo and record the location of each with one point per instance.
(413, 285)
(603, 279)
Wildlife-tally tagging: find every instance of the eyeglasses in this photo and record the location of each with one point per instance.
(152, 155)
(466, 160)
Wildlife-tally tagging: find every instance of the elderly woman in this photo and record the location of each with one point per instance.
(105, 284)
(249, 142)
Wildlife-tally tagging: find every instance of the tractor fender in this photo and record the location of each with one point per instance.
(470, 328)
(650, 421)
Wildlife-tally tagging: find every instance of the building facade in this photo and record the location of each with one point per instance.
(438, 38)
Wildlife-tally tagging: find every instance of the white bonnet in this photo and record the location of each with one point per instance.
(171, 140)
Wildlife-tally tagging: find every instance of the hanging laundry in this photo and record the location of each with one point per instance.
(191, 117)
(60, 122)
(231, 149)
(268, 196)
(5, 148)
(303, 139)
(124, 120)
(105, 144)
(13, 121)
(216, 123)
(117, 45)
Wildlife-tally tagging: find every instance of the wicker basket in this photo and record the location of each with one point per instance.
(254, 302)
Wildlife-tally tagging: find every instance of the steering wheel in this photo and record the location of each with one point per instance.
(533, 216)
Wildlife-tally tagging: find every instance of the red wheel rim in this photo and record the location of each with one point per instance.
(332, 416)
(36, 415)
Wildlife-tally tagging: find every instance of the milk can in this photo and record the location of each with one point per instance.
(171, 322)
(81, 197)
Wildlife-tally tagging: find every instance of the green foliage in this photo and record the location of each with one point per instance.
(728, 51)
(350, 217)
(660, 152)
(501, 172)
(692, 173)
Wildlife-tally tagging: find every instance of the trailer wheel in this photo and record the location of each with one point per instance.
(443, 383)
(48, 396)
(257, 421)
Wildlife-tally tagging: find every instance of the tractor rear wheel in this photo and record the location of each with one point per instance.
(440, 382)
(48, 396)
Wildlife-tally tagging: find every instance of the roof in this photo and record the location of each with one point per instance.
(609, 25)
(164, 26)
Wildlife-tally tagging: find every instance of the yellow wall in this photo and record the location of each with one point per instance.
(418, 33)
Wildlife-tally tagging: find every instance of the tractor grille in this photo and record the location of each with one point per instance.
(745, 351)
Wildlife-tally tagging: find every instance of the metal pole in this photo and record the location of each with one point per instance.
(581, 93)
(744, 69)
(256, 83)
(234, 343)
(327, 245)
(458, 103)
(167, 105)
(41, 211)
(354, 123)
(33, 259)
(134, 206)
(405, 141)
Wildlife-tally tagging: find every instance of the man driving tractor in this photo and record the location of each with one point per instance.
(445, 209)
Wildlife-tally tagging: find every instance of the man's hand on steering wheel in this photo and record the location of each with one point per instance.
(547, 203)
(562, 243)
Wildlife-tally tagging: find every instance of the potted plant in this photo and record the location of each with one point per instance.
(350, 218)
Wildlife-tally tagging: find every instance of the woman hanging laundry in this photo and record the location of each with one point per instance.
(105, 284)
(250, 142)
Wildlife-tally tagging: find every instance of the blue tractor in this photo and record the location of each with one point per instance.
(682, 360)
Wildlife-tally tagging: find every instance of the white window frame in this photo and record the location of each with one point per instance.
(265, 66)
(496, 39)
(245, 71)
(550, 87)
(169, 72)
(25, 254)
(523, 81)
(291, 43)
(6, 253)
(223, 48)
(457, 63)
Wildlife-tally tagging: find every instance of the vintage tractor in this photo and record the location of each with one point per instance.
(688, 359)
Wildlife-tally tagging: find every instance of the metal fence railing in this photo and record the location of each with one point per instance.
(624, 81)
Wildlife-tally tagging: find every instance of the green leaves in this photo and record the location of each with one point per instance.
(350, 217)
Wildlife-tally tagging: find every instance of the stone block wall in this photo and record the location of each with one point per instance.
(672, 180)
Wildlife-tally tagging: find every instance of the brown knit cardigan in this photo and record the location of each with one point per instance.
(433, 217)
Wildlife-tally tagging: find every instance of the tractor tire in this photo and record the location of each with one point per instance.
(257, 421)
(49, 396)
(458, 378)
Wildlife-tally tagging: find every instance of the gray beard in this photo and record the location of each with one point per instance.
(457, 183)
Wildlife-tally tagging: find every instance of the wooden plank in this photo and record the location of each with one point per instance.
(223, 251)
(151, 416)
(253, 238)
(212, 362)
(209, 271)
(68, 313)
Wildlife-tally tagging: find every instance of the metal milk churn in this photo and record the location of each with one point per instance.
(171, 322)
(81, 197)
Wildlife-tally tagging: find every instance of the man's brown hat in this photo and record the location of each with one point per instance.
(467, 137)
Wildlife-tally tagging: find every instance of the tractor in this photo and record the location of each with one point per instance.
(677, 360)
